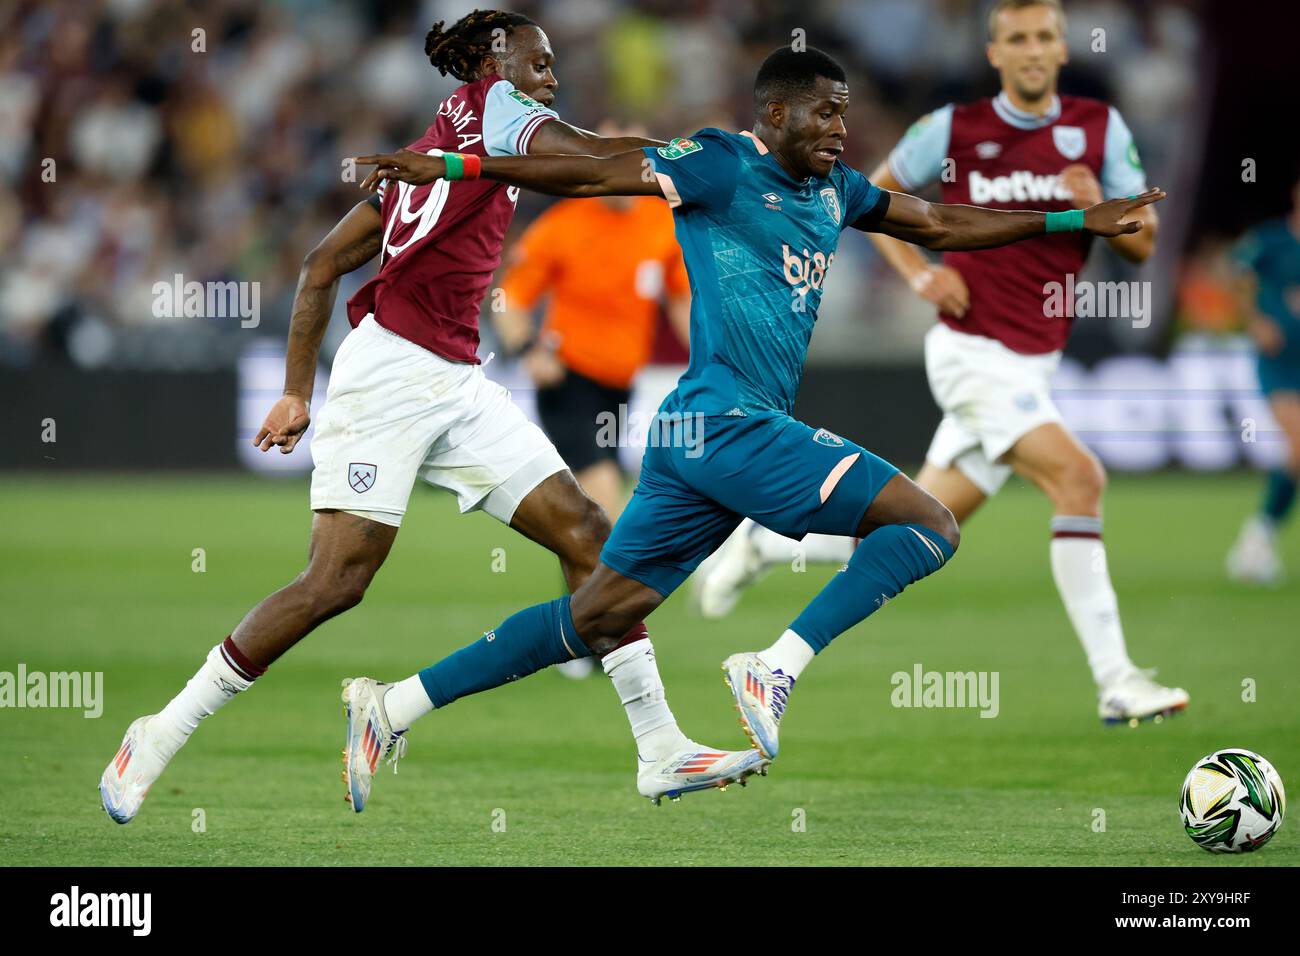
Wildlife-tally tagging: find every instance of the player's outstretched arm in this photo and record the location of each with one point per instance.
(627, 174)
(959, 228)
(349, 245)
(558, 136)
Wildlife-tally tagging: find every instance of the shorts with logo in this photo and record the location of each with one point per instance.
(990, 396)
(693, 492)
(395, 412)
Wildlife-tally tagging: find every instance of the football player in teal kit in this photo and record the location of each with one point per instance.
(758, 216)
(1269, 255)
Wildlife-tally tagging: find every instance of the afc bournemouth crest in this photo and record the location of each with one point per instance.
(831, 203)
(1071, 141)
(361, 476)
(823, 437)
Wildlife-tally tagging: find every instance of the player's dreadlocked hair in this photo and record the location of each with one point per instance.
(460, 49)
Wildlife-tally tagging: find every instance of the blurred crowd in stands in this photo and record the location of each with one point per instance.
(144, 139)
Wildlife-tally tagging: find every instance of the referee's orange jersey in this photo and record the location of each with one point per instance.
(607, 271)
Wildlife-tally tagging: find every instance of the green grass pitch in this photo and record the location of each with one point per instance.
(95, 575)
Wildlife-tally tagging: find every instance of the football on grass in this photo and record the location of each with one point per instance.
(1232, 802)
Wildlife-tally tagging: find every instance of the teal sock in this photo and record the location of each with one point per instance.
(523, 644)
(887, 560)
(1280, 496)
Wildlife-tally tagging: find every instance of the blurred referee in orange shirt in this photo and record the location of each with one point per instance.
(608, 265)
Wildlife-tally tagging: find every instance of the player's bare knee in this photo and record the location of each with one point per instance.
(943, 524)
(586, 535)
(1084, 482)
(337, 588)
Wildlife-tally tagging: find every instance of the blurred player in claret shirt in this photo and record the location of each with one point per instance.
(991, 358)
(408, 399)
(1269, 258)
(607, 267)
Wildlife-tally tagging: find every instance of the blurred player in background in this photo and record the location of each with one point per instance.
(1269, 256)
(408, 399)
(991, 358)
(607, 265)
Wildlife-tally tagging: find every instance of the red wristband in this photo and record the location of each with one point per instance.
(473, 165)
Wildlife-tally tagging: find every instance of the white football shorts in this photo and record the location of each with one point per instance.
(990, 396)
(395, 412)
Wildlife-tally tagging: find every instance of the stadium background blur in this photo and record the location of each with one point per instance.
(225, 164)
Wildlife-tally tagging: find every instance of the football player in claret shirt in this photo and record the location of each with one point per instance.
(407, 399)
(991, 357)
(759, 215)
(1269, 259)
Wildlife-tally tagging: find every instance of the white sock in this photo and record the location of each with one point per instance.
(635, 676)
(1079, 567)
(406, 702)
(789, 655)
(215, 683)
(817, 548)
(827, 548)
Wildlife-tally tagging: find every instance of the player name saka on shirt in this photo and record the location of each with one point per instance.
(460, 115)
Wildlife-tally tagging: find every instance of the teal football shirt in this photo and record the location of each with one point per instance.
(757, 245)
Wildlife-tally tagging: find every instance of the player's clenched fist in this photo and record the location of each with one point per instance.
(1111, 218)
(284, 424)
(944, 286)
(405, 165)
(1082, 185)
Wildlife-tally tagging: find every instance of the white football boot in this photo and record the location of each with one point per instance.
(369, 738)
(1137, 697)
(720, 579)
(1254, 558)
(694, 767)
(140, 760)
(761, 696)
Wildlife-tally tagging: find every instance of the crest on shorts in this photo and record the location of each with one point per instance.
(823, 437)
(831, 203)
(1026, 401)
(1071, 141)
(361, 476)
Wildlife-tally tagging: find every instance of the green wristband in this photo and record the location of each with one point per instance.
(455, 166)
(1069, 221)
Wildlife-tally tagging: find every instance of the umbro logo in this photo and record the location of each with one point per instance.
(988, 150)
(771, 200)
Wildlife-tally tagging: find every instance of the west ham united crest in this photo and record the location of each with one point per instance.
(361, 476)
(1071, 141)
(831, 203)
